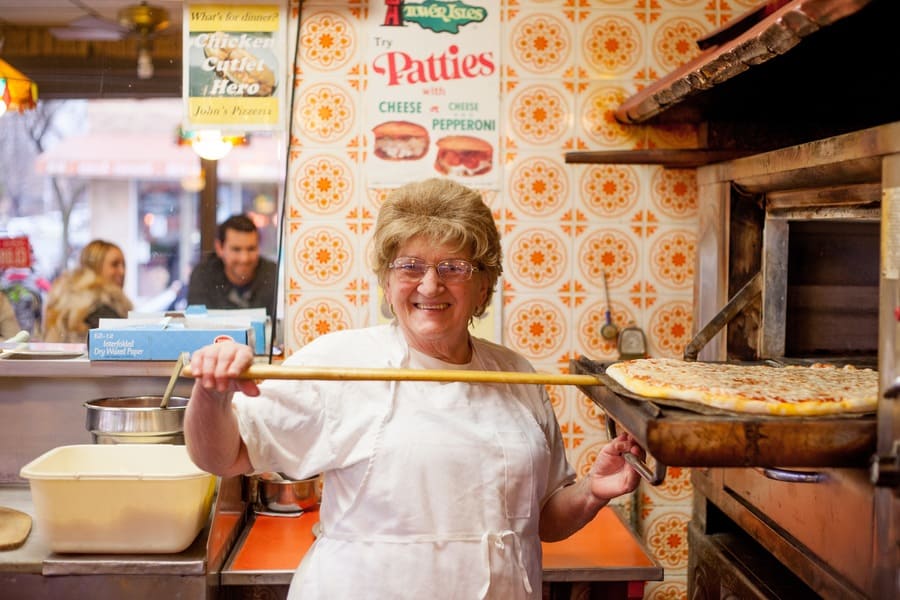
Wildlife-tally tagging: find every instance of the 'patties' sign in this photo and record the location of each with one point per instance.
(433, 94)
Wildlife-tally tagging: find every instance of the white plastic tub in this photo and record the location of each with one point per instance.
(119, 498)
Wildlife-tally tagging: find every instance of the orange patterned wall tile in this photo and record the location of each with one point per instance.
(672, 257)
(319, 316)
(327, 41)
(538, 186)
(674, 192)
(665, 533)
(535, 328)
(609, 191)
(540, 43)
(323, 184)
(536, 257)
(324, 113)
(539, 114)
(674, 41)
(669, 328)
(612, 45)
(609, 251)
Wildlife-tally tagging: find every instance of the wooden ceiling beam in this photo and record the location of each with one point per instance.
(66, 69)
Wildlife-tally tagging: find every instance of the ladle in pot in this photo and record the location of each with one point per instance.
(180, 363)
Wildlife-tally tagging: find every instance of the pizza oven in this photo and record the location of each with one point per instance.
(791, 246)
(798, 261)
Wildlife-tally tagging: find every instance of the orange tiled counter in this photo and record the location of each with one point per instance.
(605, 553)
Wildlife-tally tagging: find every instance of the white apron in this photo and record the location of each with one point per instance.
(445, 503)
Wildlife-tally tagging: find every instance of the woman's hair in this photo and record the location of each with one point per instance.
(95, 252)
(443, 212)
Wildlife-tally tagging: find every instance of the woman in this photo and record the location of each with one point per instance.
(9, 322)
(81, 297)
(427, 486)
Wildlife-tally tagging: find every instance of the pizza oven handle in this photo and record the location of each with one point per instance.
(653, 476)
(793, 476)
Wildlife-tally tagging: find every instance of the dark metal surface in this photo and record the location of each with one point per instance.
(683, 438)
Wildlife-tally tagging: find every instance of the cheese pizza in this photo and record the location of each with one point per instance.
(814, 390)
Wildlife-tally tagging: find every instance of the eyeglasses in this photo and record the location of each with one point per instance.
(452, 270)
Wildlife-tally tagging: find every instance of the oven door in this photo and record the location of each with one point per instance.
(820, 524)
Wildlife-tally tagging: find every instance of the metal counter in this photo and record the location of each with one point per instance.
(33, 571)
(41, 407)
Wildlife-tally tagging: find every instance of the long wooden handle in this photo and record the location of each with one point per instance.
(347, 374)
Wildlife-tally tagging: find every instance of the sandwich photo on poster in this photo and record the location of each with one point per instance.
(433, 95)
(235, 66)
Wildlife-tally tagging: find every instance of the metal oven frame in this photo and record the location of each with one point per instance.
(834, 529)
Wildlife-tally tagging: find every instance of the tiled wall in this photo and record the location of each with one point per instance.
(566, 64)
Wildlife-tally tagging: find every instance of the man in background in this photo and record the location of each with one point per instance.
(236, 276)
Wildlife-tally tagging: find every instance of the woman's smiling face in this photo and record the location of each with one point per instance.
(434, 314)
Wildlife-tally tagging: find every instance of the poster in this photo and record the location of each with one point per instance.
(235, 66)
(433, 95)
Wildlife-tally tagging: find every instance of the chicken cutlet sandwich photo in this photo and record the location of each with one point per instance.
(400, 140)
(463, 155)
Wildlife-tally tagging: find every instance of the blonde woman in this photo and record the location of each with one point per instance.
(81, 297)
(9, 323)
(430, 489)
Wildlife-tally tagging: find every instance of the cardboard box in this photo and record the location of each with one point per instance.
(254, 318)
(131, 339)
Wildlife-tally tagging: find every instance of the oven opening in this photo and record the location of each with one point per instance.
(726, 562)
(832, 289)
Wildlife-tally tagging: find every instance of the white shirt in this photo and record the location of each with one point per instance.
(429, 487)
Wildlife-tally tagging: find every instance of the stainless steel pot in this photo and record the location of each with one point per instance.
(276, 493)
(136, 420)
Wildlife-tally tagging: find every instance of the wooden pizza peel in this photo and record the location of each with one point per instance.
(14, 528)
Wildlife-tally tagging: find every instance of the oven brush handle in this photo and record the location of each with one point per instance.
(789, 476)
(745, 295)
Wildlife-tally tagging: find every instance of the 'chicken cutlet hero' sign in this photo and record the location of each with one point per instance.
(234, 69)
(433, 95)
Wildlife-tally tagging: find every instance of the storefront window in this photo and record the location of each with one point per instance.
(257, 200)
(260, 202)
(164, 239)
(169, 235)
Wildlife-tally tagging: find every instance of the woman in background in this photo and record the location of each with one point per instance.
(81, 297)
(9, 323)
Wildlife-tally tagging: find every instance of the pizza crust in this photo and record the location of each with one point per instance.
(756, 389)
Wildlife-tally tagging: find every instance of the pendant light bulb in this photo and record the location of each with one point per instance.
(144, 63)
(211, 145)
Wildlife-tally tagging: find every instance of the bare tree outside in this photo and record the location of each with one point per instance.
(28, 199)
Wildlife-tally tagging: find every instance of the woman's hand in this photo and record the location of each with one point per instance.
(610, 475)
(573, 506)
(216, 368)
(211, 431)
